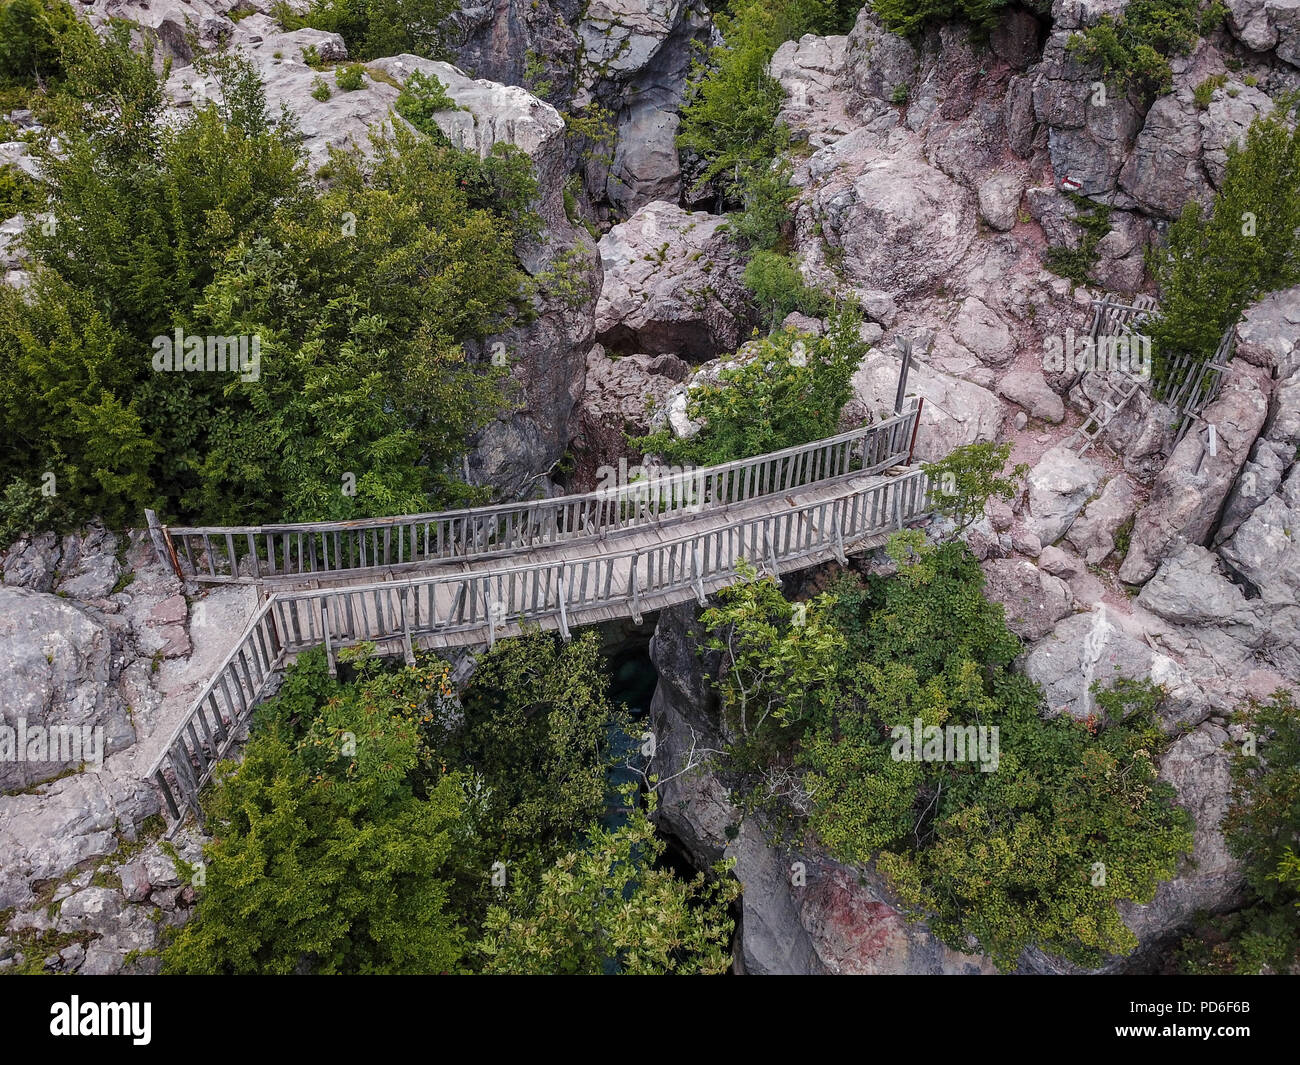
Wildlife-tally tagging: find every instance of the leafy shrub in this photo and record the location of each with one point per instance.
(729, 116)
(1204, 92)
(790, 390)
(328, 859)
(968, 477)
(1134, 49)
(420, 99)
(778, 287)
(765, 214)
(1077, 263)
(608, 909)
(909, 17)
(19, 194)
(350, 77)
(320, 89)
(30, 36)
(376, 28)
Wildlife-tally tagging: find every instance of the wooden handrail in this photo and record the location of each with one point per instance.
(326, 550)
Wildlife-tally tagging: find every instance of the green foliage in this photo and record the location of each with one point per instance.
(778, 287)
(909, 17)
(780, 660)
(31, 33)
(901, 93)
(350, 77)
(1214, 265)
(1004, 852)
(1262, 826)
(376, 28)
(607, 909)
(1134, 50)
(790, 390)
(765, 195)
(537, 726)
(1077, 263)
(320, 89)
(420, 99)
(326, 857)
(1204, 92)
(361, 295)
(19, 194)
(362, 828)
(729, 116)
(968, 477)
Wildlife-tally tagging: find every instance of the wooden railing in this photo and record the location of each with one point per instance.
(478, 607)
(220, 713)
(319, 550)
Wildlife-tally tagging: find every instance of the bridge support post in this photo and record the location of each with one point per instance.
(325, 631)
(162, 544)
(695, 566)
(564, 613)
(636, 591)
(408, 651)
(838, 527)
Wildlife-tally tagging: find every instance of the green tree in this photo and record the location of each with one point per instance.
(360, 297)
(789, 390)
(968, 477)
(326, 858)
(779, 660)
(607, 908)
(1215, 264)
(31, 33)
(538, 725)
(376, 28)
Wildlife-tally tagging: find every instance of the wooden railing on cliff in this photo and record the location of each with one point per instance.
(269, 554)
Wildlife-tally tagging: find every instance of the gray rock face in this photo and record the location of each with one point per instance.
(1093, 647)
(55, 682)
(1265, 549)
(903, 225)
(955, 412)
(811, 71)
(1059, 486)
(1268, 334)
(646, 166)
(672, 284)
(616, 404)
(1190, 491)
(88, 568)
(1034, 601)
(1165, 170)
(999, 199)
(1029, 389)
(1093, 533)
(32, 561)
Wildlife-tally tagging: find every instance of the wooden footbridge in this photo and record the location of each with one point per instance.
(468, 577)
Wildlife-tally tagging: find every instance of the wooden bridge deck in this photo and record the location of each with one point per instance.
(558, 582)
